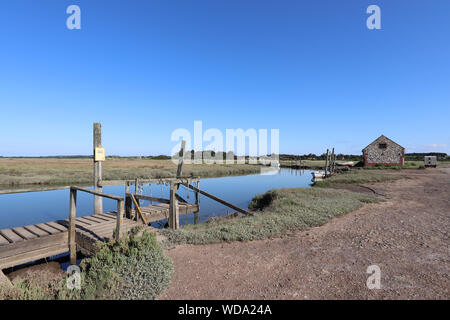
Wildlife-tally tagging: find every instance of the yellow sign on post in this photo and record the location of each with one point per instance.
(99, 154)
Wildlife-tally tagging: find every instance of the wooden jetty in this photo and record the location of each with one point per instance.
(33, 242)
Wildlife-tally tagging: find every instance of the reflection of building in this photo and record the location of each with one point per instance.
(384, 151)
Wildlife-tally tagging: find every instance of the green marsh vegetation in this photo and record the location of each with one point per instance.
(275, 213)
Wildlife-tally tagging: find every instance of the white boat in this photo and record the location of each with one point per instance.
(347, 164)
(317, 176)
(275, 164)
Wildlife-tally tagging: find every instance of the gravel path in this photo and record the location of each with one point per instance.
(407, 236)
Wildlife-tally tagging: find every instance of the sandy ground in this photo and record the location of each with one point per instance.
(407, 236)
(40, 274)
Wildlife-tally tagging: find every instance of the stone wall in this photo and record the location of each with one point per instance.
(376, 154)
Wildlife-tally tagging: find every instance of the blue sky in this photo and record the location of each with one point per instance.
(311, 69)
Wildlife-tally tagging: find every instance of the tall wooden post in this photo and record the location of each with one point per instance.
(326, 163)
(128, 201)
(174, 218)
(197, 196)
(98, 201)
(119, 218)
(72, 231)
(181, 159)
(332, 162)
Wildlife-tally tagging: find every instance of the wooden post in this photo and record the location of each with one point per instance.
(174, 218)
(197, 202)
(119, 218)
(332, 162)
(181, 159)
(326, 164)
(72, 231)
(197, 196)
(128, 203)
(136, 191)
(98, 201)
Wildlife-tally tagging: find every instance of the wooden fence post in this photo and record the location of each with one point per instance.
(119, 219)
(326, 164)
(174, 219)
(72, 231)
(181, 159)
(197, 196)
(98, 201)
(332, 162)
(128, 204)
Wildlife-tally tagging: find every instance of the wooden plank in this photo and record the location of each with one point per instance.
(149, 181)
(107, 217)
(111, 225)
(3, 241)
(57, 226)
(10, 235)
(226, 203)
(179, 198)
(113, 214)
(86, 221)
(24, 233)
(82, 222)
(47, 228)
(36, 231)
(34, 255)
(95, 219)
(149, 198)
(34, 244)
(97, 193)
(138, 208)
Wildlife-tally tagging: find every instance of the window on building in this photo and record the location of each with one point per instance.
(382, 145)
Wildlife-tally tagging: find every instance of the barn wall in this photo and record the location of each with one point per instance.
(393, 154)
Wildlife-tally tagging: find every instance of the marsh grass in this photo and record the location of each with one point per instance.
(358, 177)
(276, 212)
(53, 171)
(133, 268)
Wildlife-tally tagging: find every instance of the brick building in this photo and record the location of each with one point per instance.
(384, 151)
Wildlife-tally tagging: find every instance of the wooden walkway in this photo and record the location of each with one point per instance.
(33, 242)
(160, 211)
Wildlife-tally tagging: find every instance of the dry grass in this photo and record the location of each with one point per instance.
(52, 171)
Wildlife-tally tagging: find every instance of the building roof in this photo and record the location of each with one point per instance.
(384, 138)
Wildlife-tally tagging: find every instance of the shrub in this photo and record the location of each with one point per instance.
(133, 268)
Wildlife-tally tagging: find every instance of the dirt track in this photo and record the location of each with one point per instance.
(407, 236)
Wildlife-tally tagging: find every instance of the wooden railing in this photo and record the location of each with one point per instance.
(73, 216)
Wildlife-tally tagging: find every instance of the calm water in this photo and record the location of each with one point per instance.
(43, 206)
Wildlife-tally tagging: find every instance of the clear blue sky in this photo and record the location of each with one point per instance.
(144, 68)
